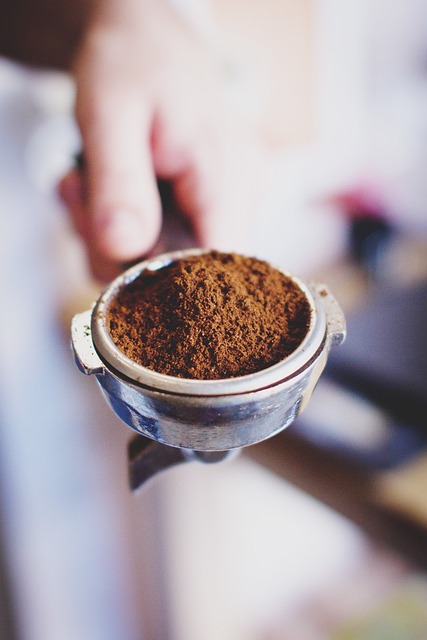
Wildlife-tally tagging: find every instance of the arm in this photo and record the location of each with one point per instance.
(153, 101)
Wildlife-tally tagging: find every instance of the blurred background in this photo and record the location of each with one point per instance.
(319, 533)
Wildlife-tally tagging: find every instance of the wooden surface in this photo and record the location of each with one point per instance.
(344, 487)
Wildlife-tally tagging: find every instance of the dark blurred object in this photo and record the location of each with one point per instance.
(369, 230)
(8, 626)
(371, 404)
(8, 621)
(385, 356)
(369, 238)
(43, 33)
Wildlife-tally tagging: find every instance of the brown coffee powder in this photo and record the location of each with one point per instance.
(209, 317)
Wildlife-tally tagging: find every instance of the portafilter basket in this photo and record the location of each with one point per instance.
(206, 420)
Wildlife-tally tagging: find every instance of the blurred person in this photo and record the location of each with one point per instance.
(152, 102)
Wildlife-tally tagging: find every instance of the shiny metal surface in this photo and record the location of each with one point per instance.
(115, 359)
(203, 415)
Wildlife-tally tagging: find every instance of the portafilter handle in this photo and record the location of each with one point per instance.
(146, 458)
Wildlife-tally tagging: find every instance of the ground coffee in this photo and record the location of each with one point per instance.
(209, 317)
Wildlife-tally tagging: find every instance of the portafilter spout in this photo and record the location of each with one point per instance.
(207, 420)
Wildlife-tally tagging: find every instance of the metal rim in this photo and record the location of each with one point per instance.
(288, 368)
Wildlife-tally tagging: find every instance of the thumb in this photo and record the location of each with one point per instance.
(122, 200)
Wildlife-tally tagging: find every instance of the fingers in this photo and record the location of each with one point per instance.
(220, 192)
(71, 192)
(121, 215)
(122, 198)
(135, 121)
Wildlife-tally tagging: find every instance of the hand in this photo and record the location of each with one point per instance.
(151, 102)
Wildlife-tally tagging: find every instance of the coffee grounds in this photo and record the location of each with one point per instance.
(209, 317)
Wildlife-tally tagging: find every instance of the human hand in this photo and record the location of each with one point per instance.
(151, 102)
